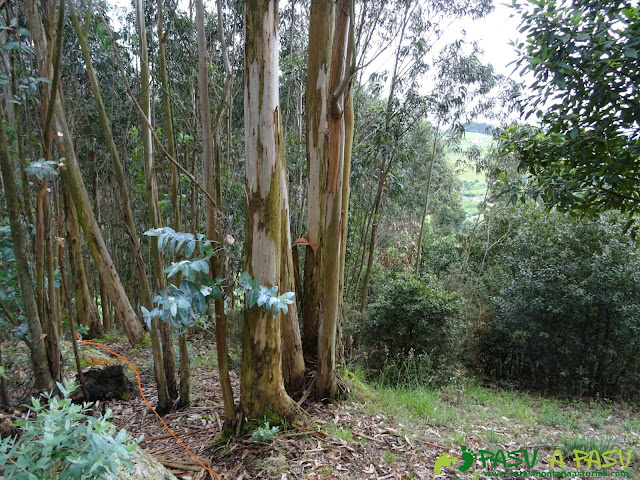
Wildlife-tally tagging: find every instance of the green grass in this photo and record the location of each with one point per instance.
(483, 418)
(587, 444)
(388, 457)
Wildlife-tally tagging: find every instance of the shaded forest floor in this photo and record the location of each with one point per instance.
(377, 433)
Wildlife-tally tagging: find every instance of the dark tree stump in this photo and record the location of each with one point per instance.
(106, 382)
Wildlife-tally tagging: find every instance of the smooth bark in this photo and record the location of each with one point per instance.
(262, 388)
(118, 169)
(166, 376)
(86, 310)
(73, 177)
(208, 153)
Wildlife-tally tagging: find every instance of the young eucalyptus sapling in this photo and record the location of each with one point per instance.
(182, 305)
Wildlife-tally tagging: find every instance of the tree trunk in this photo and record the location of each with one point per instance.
(210, 214)
(167, 375)
(140, 267)
(43, 379)
(73, 177)
(107, 319)
(293, 367)
(349, 121)
(361, 255)
(86, 310)
(185, 395)
(4, 396)
(434, 149)
(385, 168)
(262, 388)
(372, 244)
(46, 306)
(317, 104)
(327, 80)
(292, 359)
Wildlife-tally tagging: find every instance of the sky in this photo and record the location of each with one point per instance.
(493, 34)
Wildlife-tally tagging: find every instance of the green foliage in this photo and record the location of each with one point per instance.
(264, 432)
(187, 303)
(12, 319)
(412, 314)
(43, 169)
(584, 59)
(179, 242)
(182, 305)
(412, 329)
(266, 298)
(440, 252)
(64, 441)
(566, 297)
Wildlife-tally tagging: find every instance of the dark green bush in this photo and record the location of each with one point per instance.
(567, 317)
(412, 320)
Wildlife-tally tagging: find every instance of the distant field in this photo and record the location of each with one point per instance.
(474, 185)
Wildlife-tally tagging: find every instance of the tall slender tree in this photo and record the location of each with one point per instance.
(329, 79)
(167, 357)
(262, 388)
(209, 156)
(42, 375)
(73, 177)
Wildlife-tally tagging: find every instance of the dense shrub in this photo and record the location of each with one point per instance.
(567, 316)
(412, 327)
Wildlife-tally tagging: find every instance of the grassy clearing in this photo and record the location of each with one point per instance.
(487, 419)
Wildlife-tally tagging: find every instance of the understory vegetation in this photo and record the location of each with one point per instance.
(317, 216)
(545, 301)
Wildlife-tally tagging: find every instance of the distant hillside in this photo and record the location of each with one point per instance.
(474, 185)
(484, 128)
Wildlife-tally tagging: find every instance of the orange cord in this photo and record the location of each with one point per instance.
(147, 402)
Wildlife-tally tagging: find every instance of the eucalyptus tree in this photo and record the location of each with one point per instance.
(294, 47)
(421, 28)
(82, 30)
(42, 375)
(211, 163)
(262, 387)
(329, 125)
(462, 92)
(72, 176)
(162, 343)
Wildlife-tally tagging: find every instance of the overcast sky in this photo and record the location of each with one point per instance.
(493, 34)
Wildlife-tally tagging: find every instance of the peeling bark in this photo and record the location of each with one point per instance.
(328, 85)
(262, 388)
